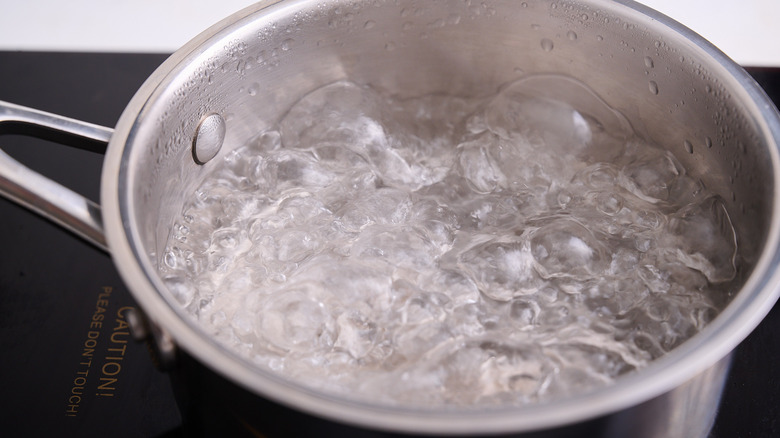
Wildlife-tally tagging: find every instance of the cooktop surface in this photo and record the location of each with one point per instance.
(69, 366)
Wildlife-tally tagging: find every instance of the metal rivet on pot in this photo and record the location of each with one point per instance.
(208, 138)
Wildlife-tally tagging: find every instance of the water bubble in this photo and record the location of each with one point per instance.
(524, 4)
(566, 249)
(547, 44)
(649, 62)
(369, 24)
(707, 239)
(585, 17)
(571, 35)
(357, 334)
(688, 146)
(652, 176)
(525, 312)
(501, 269)
(599, 38)
(653, 86)
(609, 204)
(708, 142)
(286, 44)
(297, 321)
(182, 289)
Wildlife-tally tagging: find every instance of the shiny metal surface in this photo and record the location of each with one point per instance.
(675, 88)
(209, 137)
(51, 200)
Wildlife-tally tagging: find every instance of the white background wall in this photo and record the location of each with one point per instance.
(746, 30)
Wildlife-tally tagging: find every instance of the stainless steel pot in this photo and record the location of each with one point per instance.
(237, 77)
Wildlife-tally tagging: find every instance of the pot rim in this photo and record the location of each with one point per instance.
(702, 351)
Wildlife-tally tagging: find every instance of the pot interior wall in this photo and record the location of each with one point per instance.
(672, 91)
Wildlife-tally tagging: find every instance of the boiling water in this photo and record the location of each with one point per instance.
(448, 251)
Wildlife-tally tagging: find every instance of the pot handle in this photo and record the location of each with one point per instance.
(40, 194)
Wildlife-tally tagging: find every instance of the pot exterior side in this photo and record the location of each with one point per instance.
(212, 406)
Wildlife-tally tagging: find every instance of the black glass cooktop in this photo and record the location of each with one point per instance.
(67, 364)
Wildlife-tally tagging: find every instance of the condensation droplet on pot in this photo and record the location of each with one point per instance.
(653, 87)
(649, 62)
(599, 38)
(287, 43)
(571, 35)
(453, 19)
(390, 46)
(524, 4)
(708, 142)
(547, 44)
(585, 17)
(253, 89)
(369, 24)
(535, 26)
(688, 146)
